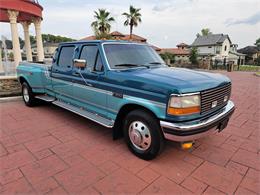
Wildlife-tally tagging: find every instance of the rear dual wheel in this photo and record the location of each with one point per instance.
(143, 134)
(28, 96)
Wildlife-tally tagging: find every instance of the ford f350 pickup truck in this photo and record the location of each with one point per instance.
(128, 87)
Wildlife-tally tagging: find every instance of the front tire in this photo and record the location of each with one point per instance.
(143, 134)
(28, 96)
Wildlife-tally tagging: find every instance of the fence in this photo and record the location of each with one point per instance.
(8, 69)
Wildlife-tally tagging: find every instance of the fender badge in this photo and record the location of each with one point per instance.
(214, 104)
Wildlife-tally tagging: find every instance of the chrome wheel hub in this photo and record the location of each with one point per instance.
(26, 94)
(139, 135)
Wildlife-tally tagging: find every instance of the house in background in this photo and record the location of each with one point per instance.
(236, 57)
(251, 52)
(182, 53)
(120, 36)
(48, 48)
(218, 48)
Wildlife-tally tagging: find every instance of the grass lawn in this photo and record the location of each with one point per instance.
(249, 68)
(257, 74)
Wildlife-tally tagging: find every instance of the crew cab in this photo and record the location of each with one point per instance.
(127, 87)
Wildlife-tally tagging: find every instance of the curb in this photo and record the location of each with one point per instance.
(10, 99)
(257, 75)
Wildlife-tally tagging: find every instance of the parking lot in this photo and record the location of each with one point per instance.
(48, 150)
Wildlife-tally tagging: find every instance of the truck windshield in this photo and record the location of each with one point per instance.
(122, 56)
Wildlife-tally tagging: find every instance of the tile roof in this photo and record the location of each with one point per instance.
(155, 48)
(116, 33)
(92, 37)
(175, 51)
(120, 36)
(182, 45)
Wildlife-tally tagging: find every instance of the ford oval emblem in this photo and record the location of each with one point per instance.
(214, 104)
(225, 98)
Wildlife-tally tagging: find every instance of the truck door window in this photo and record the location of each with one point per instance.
(89, 53)
(99, 65)
(66, 55)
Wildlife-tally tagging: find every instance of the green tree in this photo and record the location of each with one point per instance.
(102, 23)
(257, 42)
(11, 56)
(49, 38)
(21, 41)
(32, 39)
(204, 32)
(132, 18)
(194, 56)
(257, 61)
(167, 56)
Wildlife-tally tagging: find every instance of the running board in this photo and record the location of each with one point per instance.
(45, 97)
(89, 115)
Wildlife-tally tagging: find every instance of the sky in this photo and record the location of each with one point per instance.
(165, 23)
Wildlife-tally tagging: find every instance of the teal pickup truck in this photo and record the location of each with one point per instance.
(128, 87)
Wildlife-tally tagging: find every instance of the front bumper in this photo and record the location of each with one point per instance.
(192, 130)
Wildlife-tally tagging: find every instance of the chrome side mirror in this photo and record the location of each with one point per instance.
(80, 63)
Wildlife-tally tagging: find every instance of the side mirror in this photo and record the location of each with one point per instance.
(55, 55)
(80, 63)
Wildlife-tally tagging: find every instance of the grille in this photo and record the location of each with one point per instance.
(212, 95)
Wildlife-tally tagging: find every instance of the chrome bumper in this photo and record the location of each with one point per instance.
(188, 131)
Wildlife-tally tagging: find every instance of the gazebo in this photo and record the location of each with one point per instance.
(24, 12)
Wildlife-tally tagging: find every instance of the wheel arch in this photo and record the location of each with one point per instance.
(22, 79)
(124, 110)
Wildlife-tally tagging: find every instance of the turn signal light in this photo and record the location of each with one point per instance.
(186, 145)
(184, 111)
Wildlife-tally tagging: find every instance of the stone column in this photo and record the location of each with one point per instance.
(27, 40)
(15, 38)
(1, 62)
(40, 52)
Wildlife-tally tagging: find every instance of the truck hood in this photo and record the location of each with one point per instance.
(172, 80)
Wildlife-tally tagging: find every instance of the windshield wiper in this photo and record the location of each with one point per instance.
(132, 65)
(155, 63)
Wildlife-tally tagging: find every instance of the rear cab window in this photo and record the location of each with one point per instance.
(65, 60)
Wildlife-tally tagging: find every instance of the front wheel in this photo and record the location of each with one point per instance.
(28, 96)
(143, 134)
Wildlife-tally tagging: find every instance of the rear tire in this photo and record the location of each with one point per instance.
(28, 96)
(143, 134)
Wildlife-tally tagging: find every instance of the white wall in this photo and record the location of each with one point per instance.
(214, 49)
(223, 51)
(206, 49)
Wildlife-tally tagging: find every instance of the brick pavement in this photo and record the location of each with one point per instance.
(47, 150)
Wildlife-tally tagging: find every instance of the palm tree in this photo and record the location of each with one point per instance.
(102, 25)
(132, 18)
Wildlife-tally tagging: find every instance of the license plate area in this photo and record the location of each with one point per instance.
(222, 125)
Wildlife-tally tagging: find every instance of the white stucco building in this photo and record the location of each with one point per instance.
(219, 48)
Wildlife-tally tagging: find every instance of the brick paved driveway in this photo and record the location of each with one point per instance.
(49, 150)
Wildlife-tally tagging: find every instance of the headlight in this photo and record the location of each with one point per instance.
(183, 105)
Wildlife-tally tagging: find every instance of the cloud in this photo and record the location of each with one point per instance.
(162, 7)
(252, 20)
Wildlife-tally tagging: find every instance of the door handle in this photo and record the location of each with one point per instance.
(75, 74)
(55, 70)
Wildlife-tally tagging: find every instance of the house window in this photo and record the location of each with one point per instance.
(225, 48)
(209, 47)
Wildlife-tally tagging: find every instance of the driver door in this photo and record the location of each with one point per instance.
(86, 83)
